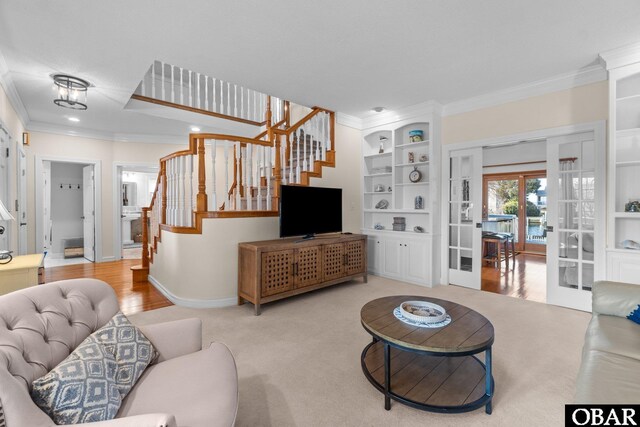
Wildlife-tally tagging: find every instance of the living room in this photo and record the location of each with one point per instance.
(378, 136)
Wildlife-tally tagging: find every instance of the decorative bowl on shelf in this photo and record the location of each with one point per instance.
(382, 204)
(423, 312)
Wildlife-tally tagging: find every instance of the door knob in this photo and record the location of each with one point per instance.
(23, 223)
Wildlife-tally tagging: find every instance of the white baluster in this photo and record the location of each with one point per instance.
(214, 100)
(173, 86)
(143, 90)
(190, 190)
(198, 97)
(242, 90)
(312, 157)
(282, 154)
(235, 100)
(176, 191)
(290, 158)
(153, 79)
(304, 149)
(214, 193)
(248, 176)
(269, 171)
(238, 178)
(190, 93)
(258, 181)
(317, 133)
(181, 191)
(228, 99)
(181, 86)
(255, 106)
(206, 93)
(226, 175)
(162, 80)
(169, 213)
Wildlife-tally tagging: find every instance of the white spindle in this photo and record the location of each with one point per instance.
(242, 90)
(282, 154)
(189, 191)
(298, 156)
(269, 170)
(189, 89)
(317, 133)
(153, 79)
(198, 96)
(238, 180)
(181, 191)
(258, 181)
(173, 86)
(226, 175)
(235, 100)
(290, 158)
(176, 191)
(228, 99)
(255, 105)
(304, 148)
(214, 100)
(162, 81)
(248, 175)
(143, 91)
(214, 197)
(169, 214)
(181, 86)
(206, 93)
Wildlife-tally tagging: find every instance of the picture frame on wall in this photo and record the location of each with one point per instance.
(25, 138)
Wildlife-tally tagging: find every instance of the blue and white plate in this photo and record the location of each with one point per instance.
(398, 314)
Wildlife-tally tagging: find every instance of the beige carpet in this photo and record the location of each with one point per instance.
(299, 362)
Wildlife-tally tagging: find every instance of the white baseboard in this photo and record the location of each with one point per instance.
(107, 259)
(190, 302)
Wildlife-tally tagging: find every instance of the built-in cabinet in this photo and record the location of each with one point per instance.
(401, 186)
(623, 243)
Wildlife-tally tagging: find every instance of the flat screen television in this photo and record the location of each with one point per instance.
(305, 211)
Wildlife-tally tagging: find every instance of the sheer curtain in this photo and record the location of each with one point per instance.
(568, 191)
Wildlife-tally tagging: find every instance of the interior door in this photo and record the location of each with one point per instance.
(5, 240)
(465, 217)
(88, 212)
(575, 238)
(22, 200)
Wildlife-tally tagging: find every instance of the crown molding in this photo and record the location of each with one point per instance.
(428, 108)
(10, 89)
(592, 74)
(621, 56)
(349, 121)
(104, 136)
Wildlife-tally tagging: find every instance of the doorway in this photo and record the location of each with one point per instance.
(67, 211)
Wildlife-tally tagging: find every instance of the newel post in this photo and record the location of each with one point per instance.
(163, 206)
(145, 237)
(201, 199)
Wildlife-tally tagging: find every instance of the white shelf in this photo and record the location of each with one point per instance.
(414, 183)
(624, 251)
(377, 192)
(413, 144)
(403, 211)
(629, 163)
(376, 155)
(412, 164)
(386, 231)
(628, 132)
(634, 215)
(377, 174)
(625, 98)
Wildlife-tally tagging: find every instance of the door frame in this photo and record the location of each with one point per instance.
(117, 201)
(521, 177)
(22, 240)
(599, 133)
(39, 223)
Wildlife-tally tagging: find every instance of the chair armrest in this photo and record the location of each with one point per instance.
(615, 298)
(145, 420)
(173, 339)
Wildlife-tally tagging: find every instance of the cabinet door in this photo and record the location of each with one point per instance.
(277, 272)
(355, 257)
(624, 268)
(375, 255)
(391, 264)
(334, 261)
(415, 260)
(308, 266)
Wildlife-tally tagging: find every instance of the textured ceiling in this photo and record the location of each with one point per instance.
(348, 56)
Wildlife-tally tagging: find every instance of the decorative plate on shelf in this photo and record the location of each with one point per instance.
(382, 204)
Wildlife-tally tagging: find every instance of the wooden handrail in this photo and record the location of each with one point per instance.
(302, 121)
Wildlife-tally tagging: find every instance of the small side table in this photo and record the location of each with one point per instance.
(21, 272)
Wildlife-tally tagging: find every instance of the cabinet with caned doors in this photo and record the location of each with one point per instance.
(274, 269)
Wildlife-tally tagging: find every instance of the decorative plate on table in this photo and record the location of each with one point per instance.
(423, 314)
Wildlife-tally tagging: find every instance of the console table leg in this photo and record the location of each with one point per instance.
(257, 309)
(488, 379)
(387, 377)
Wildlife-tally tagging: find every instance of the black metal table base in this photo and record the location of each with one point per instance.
(385, 388)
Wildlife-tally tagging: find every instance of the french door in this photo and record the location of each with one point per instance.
(465, 217)
(575, 219)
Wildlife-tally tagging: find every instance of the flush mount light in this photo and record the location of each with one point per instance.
(72, 91)
(195, 129)
(378, 109)
(73, 119)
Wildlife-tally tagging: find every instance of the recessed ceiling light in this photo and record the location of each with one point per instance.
(195, 129)
(378, 109)
(74, 119)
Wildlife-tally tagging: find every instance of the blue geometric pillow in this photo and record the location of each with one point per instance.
(82, 388)
(635, 315)
(132, 351)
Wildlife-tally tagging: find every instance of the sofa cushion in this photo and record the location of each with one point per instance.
(612, 334)
(82, 388)
(608, 378)
(131, 350)
(207, 384)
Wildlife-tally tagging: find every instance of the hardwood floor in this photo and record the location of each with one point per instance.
(132, 298)
(528, 280)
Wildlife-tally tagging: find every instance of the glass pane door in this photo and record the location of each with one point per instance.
(464, 222)
(573, 240)
(535, 215)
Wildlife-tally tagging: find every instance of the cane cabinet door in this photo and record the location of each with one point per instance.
(277, 272)
(333, 261)
(308, 266)
(355, 257)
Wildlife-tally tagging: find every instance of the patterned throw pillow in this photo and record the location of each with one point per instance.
(635, 315)
(132, 351)
(2, 423)
(82, 388)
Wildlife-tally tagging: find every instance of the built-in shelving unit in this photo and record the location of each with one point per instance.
(623, 263)
(389, 193)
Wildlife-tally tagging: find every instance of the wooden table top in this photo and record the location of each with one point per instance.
(23, 261)
(468, 331)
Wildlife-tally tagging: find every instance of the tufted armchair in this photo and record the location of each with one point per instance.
(42, 325)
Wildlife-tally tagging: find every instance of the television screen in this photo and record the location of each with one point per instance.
(310, 210)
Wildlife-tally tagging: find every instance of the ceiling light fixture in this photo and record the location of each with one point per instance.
(72, 92)
(195, 129)
(73, 119)
(378, 109)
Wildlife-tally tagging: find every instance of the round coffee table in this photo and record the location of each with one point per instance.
(433, 369)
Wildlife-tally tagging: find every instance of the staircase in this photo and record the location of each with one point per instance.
(227, 176)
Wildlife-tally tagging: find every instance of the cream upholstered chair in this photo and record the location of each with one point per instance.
(42, 325)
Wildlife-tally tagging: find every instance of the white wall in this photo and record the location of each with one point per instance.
(523, 152)
(141, 180)
(66, 203)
